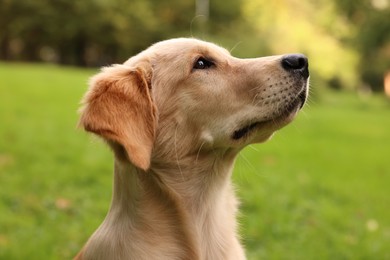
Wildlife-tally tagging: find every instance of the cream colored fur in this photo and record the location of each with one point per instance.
(174, 129)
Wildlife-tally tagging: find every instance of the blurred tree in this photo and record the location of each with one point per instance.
(347, 40)
(371, 39)
(98, 32)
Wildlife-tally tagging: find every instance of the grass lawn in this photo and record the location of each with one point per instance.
(318, 190)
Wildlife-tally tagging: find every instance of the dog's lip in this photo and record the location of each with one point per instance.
(302, 98)
(240, 133)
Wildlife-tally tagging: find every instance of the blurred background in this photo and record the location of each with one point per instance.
(318, 190)
(347, 39)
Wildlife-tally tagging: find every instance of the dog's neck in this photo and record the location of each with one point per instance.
(195, 200)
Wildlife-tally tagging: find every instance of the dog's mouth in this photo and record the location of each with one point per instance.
(285, 115)
(240, 133)
(301, 99)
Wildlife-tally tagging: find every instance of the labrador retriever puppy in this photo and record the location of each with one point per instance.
(176, 115)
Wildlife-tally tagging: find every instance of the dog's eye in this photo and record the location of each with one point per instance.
(202, 64)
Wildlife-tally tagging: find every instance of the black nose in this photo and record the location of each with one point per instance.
(296, 63)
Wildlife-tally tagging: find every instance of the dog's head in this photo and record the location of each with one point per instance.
(184, 96)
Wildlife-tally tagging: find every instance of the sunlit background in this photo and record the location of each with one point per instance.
(347, 40)
(318, 190)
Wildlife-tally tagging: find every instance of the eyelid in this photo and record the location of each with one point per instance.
(208, 62)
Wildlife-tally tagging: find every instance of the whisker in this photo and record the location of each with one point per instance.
(193, 20)
(255, 99)
(253, 148)
(248, 163)
(235, 46)
(197, 155)
(256, 88)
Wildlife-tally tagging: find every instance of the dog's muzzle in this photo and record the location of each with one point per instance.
(298, 64)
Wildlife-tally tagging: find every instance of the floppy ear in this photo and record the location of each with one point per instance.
(119, 108)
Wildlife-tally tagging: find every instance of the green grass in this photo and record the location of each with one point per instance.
(318, 190)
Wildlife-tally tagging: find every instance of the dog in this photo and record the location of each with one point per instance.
(176, 115)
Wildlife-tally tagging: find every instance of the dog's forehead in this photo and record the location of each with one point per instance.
(190, 46)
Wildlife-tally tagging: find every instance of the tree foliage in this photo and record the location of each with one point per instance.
(96, 32)
(372, 37)
(347, 41)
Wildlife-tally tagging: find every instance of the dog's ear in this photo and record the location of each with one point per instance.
(118, 107)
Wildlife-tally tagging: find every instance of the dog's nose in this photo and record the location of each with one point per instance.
(296, 63)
